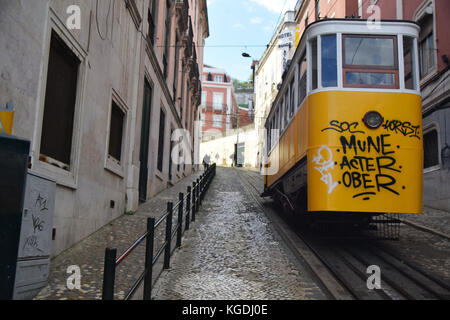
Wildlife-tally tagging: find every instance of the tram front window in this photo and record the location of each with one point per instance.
(370, 61)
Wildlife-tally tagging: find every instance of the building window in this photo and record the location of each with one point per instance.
(116, 132)
(217, 121)
(162, 129)
(329, 61)
(170, 156)
(203, 119)
(317, 10)
(209, 77)
(175, 72)
(431, 149)
(59, 108)
(152, 21)
(426, 46)
(218, 79)
(204, 100)
(167, 40)
(204, 77)
(218, 101)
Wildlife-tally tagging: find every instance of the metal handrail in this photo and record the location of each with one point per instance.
(192, 199)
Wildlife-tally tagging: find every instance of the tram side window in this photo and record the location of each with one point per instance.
(329, 61)
(370, 61)
(280, 112)
(292, 104)
(286, 109)
(302, 76)
(314, 63)
(410, 62)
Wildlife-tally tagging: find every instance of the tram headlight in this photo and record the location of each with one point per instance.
(373, 119)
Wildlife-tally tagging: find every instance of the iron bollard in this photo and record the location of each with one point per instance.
(168, 235)
(149, 259)
(193, 200)
(188, 207)
(109, 274)
(197, 197)
(180, 219)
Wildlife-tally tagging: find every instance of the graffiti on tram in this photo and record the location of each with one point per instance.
(368, 164)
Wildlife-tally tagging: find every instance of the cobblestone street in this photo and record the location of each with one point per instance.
(89, 253)
(233, 253)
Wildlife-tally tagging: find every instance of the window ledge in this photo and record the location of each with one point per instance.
(60, 176)
(134, 12)
(159, 175)
(432, 169)
(115, 167)
(429, 76)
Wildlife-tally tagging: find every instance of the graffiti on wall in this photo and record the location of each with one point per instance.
(38, 219)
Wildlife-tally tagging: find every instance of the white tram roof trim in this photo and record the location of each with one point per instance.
(344, 26)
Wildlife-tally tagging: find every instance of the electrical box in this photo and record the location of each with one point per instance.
(13, 173)
(33, 263)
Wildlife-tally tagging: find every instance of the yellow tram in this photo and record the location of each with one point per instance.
(344, 134)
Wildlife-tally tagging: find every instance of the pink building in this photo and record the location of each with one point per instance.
(218, 104)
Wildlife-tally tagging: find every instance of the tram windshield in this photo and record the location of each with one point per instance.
(370, 61)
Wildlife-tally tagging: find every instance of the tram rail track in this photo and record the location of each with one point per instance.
(341, 267)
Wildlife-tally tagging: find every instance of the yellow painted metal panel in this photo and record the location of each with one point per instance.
(353, 168)
(357, 169)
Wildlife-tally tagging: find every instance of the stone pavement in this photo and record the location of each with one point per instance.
(432, 218)
(89, 253)
(233, 253)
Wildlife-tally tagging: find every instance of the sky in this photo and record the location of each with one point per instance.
(238, 26)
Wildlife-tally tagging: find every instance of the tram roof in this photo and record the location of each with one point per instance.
(406, 24)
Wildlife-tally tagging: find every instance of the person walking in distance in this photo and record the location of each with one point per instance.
(206, 161)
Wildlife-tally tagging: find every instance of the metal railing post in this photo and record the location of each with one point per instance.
(180, 219)
(194, 199)
(168, 235)
(109, 274)
(149, 259)
(197, 197)
(201, 188)
(188, 207)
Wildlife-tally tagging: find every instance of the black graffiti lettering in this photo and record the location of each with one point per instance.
(347, 179)
(38, 224)
(370, 144)
(386, 163)
(345, 163)
(349, 144)
(405, 128)
(356, 178)
(354, 164)
(366, 181)
(363, 147)
(343, 127)
(388, 181)
(384, 145)
(366, 164)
